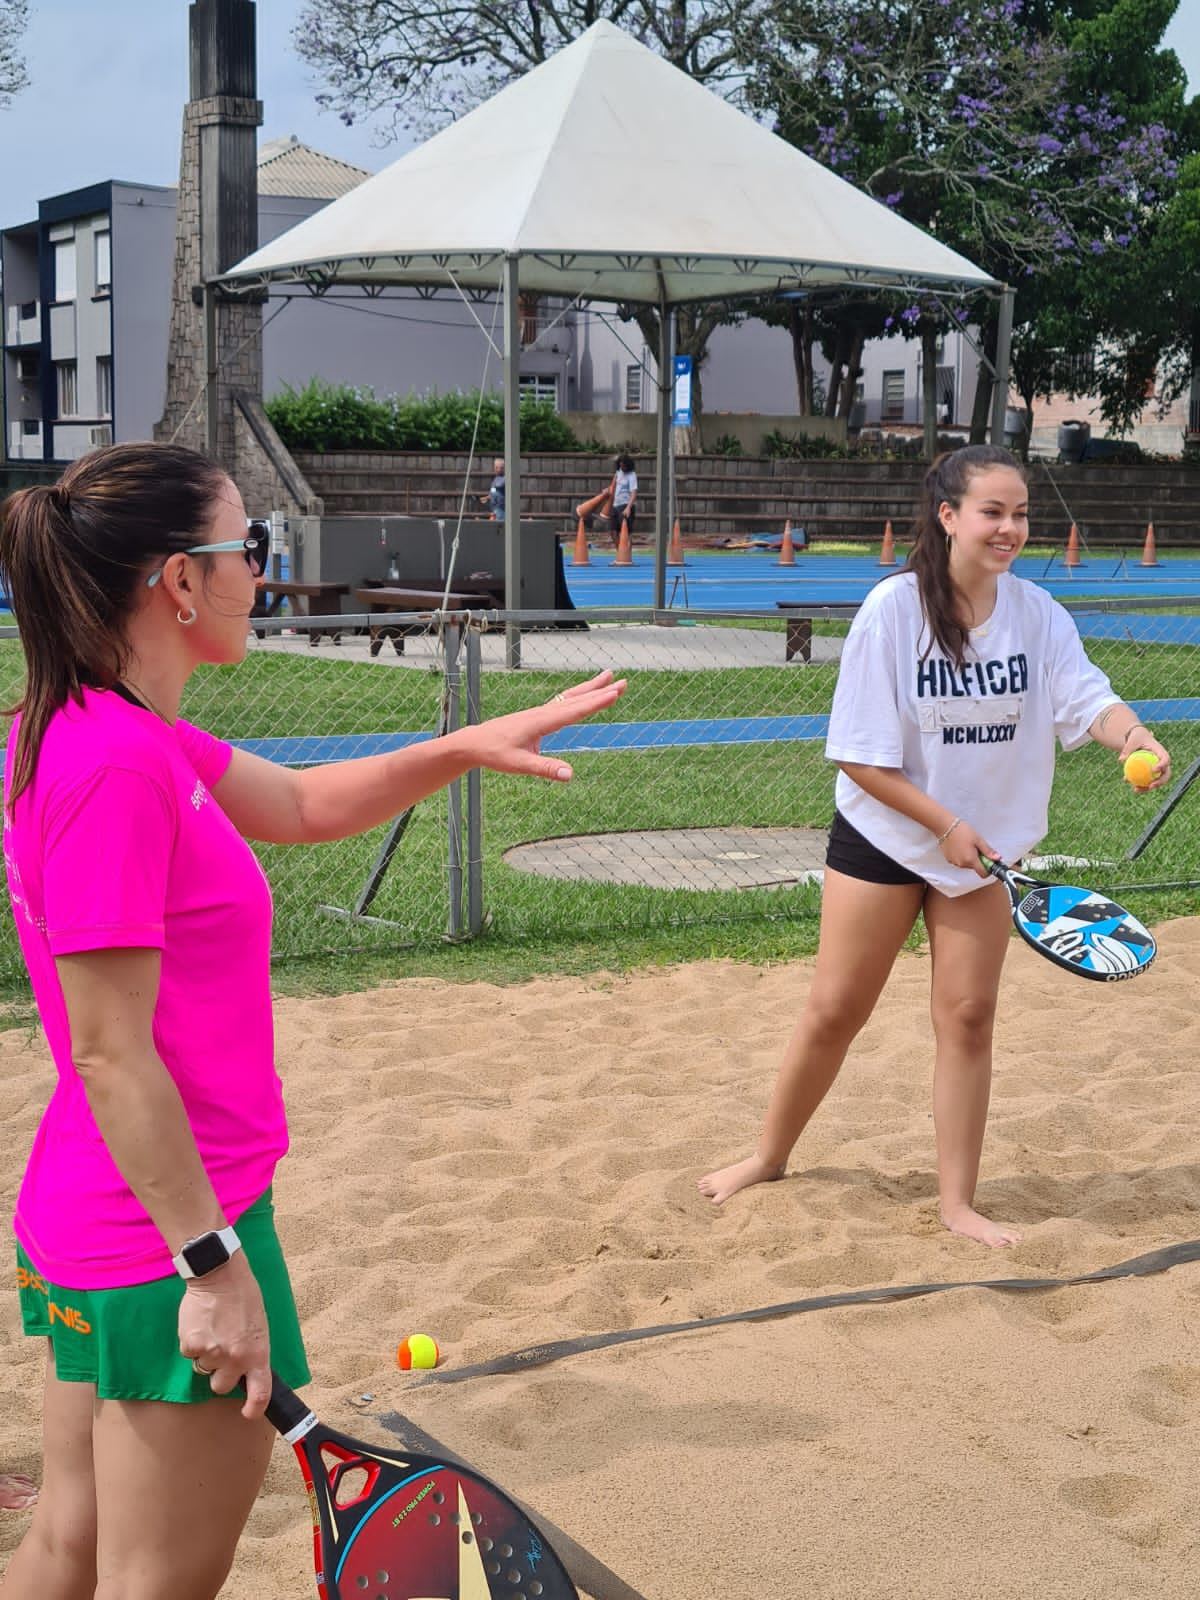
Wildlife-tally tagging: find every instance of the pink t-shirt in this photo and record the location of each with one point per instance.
(118, 843)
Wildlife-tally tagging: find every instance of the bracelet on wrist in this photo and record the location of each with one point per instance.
(942, 837)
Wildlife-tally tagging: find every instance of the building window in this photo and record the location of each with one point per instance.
(30, 427)
(64, 270)
(633, 388)
(68, 388)
(1074, 374)
(893, 397)
(103, 261)
(104, 386)
(528, 318)
(540, 389)
(944, 381)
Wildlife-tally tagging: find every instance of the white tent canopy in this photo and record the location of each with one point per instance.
(608, 174)
(607, 146)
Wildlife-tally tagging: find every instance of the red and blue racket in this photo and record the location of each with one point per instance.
(1079, 929)
(400, 1526)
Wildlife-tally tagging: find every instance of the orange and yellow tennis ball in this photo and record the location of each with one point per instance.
(418, 1350)
(1140, 769)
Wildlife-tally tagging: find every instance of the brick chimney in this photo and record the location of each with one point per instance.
(215, 342)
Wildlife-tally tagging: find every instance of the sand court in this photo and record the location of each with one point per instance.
(503, 1167)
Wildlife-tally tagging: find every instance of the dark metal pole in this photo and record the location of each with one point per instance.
(663, 474)
(512, 458)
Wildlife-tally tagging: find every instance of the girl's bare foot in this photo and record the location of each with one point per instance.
(965, 1220)
(17, 1492)
(721, 1184)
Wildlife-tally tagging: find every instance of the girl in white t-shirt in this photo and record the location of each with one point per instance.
(624, 489)
(956, 680)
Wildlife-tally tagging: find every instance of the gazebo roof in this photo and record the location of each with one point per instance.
(613, 176)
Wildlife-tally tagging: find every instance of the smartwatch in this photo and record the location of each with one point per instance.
(204, 1254)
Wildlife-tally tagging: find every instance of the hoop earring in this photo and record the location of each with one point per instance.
(185, 622)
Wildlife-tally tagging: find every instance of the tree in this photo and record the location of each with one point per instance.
(962, 117)
(1132, 312)
(421, 65)
(13, 16)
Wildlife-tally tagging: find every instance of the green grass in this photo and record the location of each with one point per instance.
(540, 925)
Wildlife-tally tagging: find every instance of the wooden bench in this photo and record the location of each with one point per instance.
(798, 641)
(319, 600)
(392, 597)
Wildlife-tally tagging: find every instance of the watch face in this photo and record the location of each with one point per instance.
(205, 1254)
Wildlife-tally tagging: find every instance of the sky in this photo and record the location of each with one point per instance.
(110, 78)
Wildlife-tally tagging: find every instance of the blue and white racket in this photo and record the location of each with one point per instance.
(1080, 929)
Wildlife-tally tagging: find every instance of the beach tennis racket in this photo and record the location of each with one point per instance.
(393, 1525)
(1080, 929)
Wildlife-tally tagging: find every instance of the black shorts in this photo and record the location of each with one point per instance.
(857, 857)
(620, 514)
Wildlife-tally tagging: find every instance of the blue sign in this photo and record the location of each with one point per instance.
(682, 409)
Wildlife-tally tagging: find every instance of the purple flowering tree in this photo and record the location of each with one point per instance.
(13, 16)
(985, 125)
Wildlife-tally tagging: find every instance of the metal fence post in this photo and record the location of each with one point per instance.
(474, 792)
(454, 871)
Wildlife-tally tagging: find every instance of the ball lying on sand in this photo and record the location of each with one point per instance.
(418, 1350)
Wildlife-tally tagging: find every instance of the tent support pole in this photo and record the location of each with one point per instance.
(662, 475)
(1004, 330)
(512, 458)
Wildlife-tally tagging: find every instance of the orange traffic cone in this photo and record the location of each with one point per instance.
(624, 555)
(581, 557)
(1071, 559)
(887, 555)
(675, 553)
(598, 503)
(787, 550)
(1149, 550)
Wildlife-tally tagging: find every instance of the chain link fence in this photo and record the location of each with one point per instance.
(703, 796)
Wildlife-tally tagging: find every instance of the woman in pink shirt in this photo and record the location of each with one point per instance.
(146, 1249)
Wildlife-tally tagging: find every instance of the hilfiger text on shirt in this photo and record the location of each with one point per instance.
(938, 678)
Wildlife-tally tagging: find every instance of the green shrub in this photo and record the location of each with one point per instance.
(804, 446)
(326, 416)
(728, 444)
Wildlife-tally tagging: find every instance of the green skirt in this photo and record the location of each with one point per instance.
(126, 1341)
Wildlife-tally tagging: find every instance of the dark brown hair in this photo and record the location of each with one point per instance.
(72, 556)
(946, 483)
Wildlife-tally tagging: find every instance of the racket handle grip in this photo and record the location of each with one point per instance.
(285, 1409)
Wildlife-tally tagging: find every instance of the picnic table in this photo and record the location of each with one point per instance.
(395, 597)
(318, 600)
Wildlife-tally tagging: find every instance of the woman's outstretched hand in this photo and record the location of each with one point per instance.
(513, 743)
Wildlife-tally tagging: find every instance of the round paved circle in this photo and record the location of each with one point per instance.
(681, 858)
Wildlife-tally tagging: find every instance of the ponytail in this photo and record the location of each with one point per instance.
(72, 556)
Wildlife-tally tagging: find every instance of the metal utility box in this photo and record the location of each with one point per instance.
(417, 551)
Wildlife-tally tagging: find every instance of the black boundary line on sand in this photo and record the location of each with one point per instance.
(539, 1355)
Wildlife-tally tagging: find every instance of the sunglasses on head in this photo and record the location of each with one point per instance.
(254, 547)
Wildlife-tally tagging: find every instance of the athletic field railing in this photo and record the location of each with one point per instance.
(703, 796)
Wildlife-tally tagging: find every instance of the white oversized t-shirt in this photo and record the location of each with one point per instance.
(979, 738)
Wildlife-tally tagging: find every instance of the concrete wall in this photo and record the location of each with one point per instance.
(143, 242)
(638, 430)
